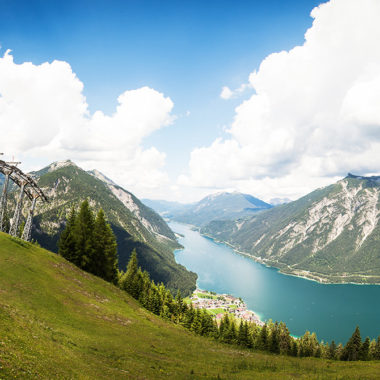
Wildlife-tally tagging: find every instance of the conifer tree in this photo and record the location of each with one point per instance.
(66, 244)
(284, 339)
(274, 340)
(129, 281)
(364, 349)
(188, 317)
(377, 349)
(196, 325)
(352, 348)
(243, 334)
(84, 237)
(294, 348)
(332, 351)
(104, 261)
(263, 338)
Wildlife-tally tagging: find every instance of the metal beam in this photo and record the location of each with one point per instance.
(27, 233)
(16, 217)
(3, 200)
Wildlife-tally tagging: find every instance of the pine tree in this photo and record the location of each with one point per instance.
(243, 334)
(84, 237)
(284, 339)
(263, 338)
(332, 350)
(294, 348)
(274, 340)
(377, 349)
(104, 261)
(66, 244)
(364, 349)
(129, 281)
(352, 348)
(188, 317)
(196, 325)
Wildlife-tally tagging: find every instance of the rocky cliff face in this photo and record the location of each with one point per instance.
(332, 234)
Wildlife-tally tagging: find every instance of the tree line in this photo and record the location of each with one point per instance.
(272, 337)
(89, 243)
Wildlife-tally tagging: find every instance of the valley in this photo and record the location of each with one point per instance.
(331, 235)
(330, 310)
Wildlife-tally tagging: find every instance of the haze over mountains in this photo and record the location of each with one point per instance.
(135, 225)
(219, 206)
(331, 234)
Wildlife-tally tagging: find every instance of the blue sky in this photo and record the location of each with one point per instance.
(186, 50)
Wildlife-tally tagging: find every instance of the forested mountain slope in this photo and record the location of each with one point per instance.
(135, 225)
(58, 322)
(331, 234)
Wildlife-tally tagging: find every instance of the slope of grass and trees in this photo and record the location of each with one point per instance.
(135, 225)
(58, 321)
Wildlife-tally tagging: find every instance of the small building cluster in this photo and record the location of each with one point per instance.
(220, 304)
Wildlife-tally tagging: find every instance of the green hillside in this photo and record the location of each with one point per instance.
(135, 225)
(58, 322)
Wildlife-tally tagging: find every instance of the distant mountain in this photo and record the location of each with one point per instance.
(220, 206)
(166, 208)
(331, 234)
(279, 201)
(135, 225)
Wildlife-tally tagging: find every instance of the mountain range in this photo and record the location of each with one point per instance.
(135, 225)
(330, 235)
(219, 206)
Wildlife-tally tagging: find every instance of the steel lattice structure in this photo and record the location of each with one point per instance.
(29, 188)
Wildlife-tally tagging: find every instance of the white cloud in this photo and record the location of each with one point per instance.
(315, 114)
(44, 115)
(227, 93)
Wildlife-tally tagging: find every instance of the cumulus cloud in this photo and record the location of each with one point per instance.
(227, 93)
(43, 113)
(315, 114)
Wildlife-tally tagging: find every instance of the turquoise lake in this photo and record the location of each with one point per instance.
(332, 311)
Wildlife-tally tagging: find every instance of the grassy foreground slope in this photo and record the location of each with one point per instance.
(57, 321)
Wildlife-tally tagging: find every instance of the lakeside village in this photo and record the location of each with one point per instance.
(219, 304)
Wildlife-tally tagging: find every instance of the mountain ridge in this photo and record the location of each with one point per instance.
(330, 235)
(217, 206)
(135, 225)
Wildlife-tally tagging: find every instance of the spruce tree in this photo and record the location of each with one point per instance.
(66, 244)
(294, 348)
(377, 349)
(263, 338)
(84, 237)
(332, 350)
(364, 349)
(129, 281)
(104, 261)
(274, 340)
(352, 348)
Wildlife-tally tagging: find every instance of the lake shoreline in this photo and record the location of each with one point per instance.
(210, 300)
(306, 275)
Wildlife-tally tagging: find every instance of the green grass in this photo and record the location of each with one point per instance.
(58, 322)
(215, 311)
(208, 296)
